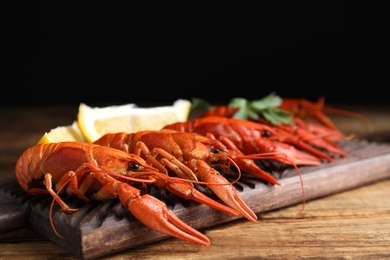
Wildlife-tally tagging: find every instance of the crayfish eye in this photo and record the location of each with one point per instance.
(133, 166)
(266, 134)
(216, 150)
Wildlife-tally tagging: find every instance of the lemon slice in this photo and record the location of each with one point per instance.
(94, 122)
(63, 133)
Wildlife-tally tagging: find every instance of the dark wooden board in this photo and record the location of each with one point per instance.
(102, 228)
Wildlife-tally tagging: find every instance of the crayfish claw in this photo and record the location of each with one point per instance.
(184, 190)
(224, 190)
(291, 155)
(192, 235)
(230, 196)
(154, 214)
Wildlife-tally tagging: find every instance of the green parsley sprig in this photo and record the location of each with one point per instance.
(266, 107)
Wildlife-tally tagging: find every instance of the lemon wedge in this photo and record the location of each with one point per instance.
(63, 133)
(95, 122)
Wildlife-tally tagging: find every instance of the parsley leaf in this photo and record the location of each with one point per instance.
(245, 110)
(201, 104)
(266, 107)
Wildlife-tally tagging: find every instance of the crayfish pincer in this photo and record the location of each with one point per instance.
(83, 168)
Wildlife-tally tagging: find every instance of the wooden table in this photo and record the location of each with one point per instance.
(352, 224)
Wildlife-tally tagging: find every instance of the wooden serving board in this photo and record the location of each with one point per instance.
(102, 228)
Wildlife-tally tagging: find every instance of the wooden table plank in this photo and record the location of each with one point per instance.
(350, 224)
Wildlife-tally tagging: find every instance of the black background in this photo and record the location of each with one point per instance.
(108, 52)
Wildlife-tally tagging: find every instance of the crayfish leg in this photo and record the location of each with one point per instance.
(48, 183)
(175, 165)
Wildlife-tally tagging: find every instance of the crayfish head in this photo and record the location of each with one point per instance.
(138, 164)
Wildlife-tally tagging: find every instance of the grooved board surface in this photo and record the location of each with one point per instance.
(101, 228)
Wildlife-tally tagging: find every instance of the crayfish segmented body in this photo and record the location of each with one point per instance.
(188, 155)
(248, 137)
(101, 173)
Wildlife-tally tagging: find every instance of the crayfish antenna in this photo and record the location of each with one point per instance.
(336, 111)
(302, 186)
(246, 163)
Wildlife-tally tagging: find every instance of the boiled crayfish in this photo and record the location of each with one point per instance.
(299, 108)
(251, 138)
(101, 173)
(188, 155)
(119, 165)
(309, 128)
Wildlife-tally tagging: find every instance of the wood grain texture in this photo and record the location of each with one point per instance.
(89, 230)
(353, 223)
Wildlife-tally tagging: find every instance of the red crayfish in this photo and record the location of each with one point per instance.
(91, 171)
(251, 138)
(310, 129)
(187, 155)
